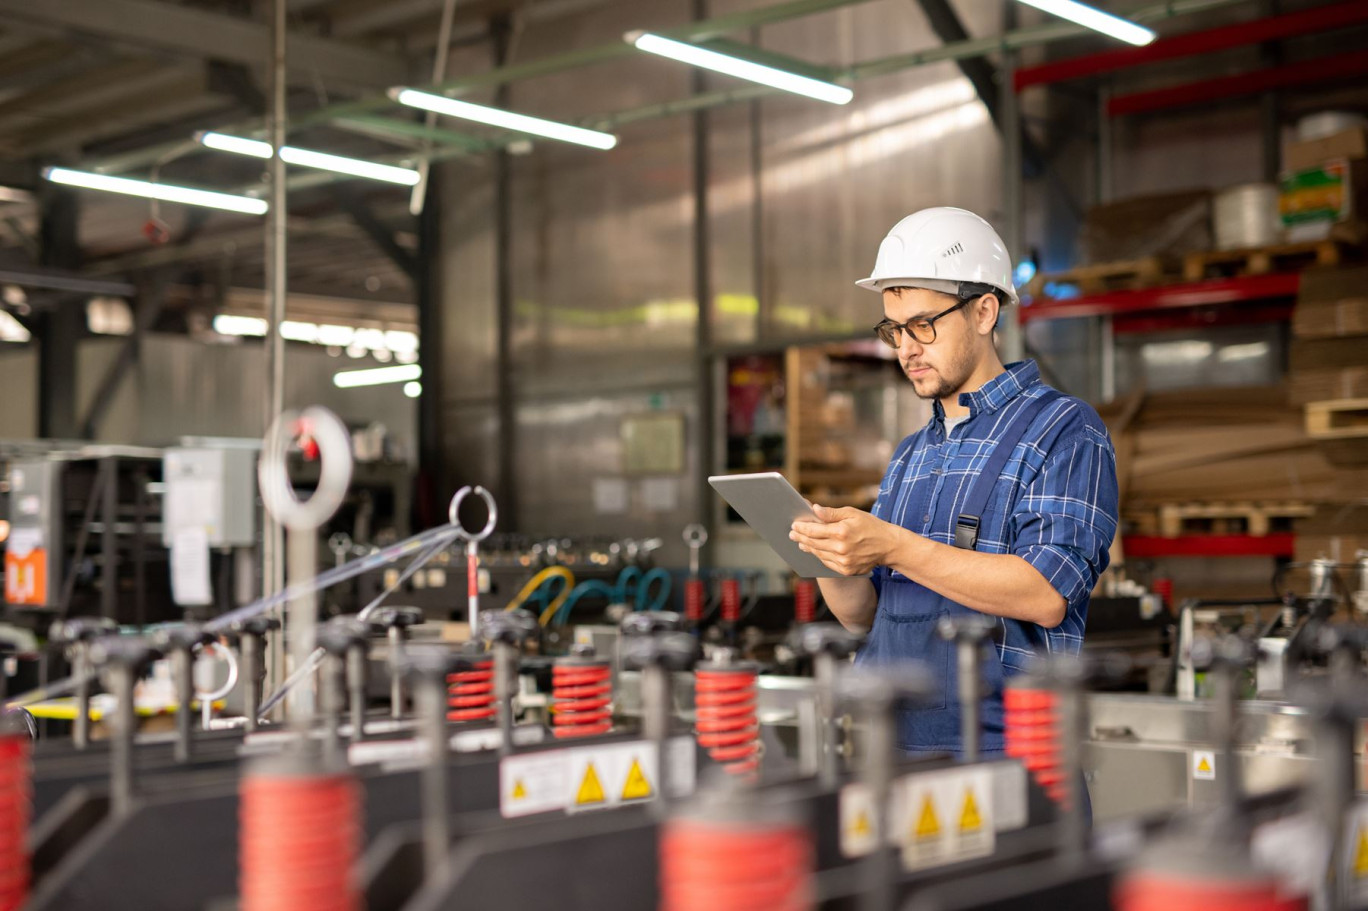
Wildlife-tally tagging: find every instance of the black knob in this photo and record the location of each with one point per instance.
(401, 617)
(81, 629)
(259, 625)
(122, 651)
(968, 628)
(180, 638)
(428, 660)
(648, 623)
(341, 634)
(673, 651)
(512, 627)
(826, 638)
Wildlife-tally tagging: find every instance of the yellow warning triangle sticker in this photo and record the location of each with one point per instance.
(1204, 766)
(861, 827)
(928, 826)
(970, 820)
(519, 792)
(1361, 855)
(637, 787)
(590, 789)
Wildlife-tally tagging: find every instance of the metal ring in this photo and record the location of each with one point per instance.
(231, 660)
(273, 474)
(695, 535)
(454, 511)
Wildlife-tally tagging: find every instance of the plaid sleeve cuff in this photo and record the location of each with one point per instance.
(1066, 571)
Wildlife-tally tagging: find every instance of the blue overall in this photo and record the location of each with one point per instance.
(907, 616)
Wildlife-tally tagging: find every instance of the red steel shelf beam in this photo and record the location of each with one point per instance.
(1271, 28)
(1148, 548)
(1168, 297)
(1324, 69)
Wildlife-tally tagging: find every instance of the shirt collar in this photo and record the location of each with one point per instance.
(997, 392)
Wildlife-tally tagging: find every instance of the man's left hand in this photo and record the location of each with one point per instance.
(850, 541)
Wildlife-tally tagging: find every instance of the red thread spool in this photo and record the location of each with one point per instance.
(1155, 891)
(300, 839)
(581, 697)
(728, 728)
(470, 690)
(15, 810)
(714, 865)
(1031, 717)
(731, 600)
(804, 601)
(695, 594)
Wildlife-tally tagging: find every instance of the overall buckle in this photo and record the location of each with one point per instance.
(966, 532)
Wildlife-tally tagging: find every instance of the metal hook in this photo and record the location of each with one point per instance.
(454, 510)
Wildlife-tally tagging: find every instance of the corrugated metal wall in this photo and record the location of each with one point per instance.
(605, 314)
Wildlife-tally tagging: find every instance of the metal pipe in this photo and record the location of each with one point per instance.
(121, 750)
(967, 667)
(1072, 716)
(396, 644)
(356, 682)
(824, 674)
(505, 676)
(109, 569)
(880, 747)
(80, 728)
(182, 670)
(273, 535)
(252, 678)
(655, 722)
(1010, 341)
(430, 695)
(334, 690)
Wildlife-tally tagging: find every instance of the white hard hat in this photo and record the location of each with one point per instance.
(940, 247)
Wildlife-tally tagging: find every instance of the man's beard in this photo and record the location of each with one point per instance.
(947, 381)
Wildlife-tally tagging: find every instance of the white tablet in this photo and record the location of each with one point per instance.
(769, 504)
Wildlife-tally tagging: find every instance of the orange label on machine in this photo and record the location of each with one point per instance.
(26, 576)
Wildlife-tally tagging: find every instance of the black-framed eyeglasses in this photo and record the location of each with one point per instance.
(923, 329)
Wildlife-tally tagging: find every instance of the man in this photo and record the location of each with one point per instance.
(1004, 504)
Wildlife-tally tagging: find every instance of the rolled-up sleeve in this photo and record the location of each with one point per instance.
(1066, 519)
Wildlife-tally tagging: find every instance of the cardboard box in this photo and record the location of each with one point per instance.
(1328, 354)
(1351, 143)
(1332, 302)
(1312, 201)
(1167, 224)
(1319, 385)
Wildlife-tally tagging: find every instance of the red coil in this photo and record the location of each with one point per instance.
(1031, 719)
(695, 594)
(300, 838)
(470, 692)
(581, 697)
(716, 866)
(15, 809)
(1154, 891)
(726, 720)
(1164, 589)
(731, 600)
(804, 601)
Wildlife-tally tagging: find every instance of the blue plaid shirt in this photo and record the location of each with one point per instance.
(1059, 513)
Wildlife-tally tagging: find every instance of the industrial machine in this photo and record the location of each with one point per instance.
(620, 755)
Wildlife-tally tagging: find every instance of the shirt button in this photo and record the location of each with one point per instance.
(926, 518)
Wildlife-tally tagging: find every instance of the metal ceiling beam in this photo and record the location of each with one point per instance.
(982, 74)
(379, 233)
(206, 35)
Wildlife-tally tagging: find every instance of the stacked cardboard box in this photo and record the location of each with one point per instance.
(1328, 366)
(1324, 187)
(1237, 445)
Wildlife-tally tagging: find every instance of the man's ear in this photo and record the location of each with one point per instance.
(987, 311)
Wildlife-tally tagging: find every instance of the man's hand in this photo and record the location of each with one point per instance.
(850, 541)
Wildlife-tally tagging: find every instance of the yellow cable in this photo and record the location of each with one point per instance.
(536, 582)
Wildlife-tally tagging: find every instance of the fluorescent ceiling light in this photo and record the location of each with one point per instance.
(127, 186)
(741, 69)
(377, 376)
(307, 158)
(232, 324)
(1095, 19)
(522, 123)
(413, 390)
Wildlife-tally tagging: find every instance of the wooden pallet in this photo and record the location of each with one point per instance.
(1260, 260)
(1116, 276)
(1337, 419)
(1173, 520)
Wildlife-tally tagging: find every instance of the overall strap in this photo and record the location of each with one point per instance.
(967, 524)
